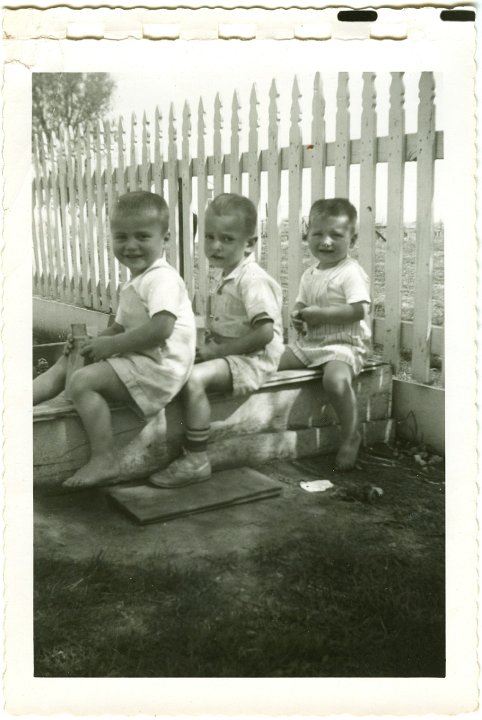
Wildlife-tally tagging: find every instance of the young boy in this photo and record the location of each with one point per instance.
(330, 317)
(147, 354)
(244, 332)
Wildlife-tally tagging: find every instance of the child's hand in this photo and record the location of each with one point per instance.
(206, 351)
(69, 343)
(297, 321)
(312, 315)
(98, 348)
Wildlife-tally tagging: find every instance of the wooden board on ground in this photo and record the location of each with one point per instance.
(147, 504)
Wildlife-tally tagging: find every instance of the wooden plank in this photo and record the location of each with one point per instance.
(91, 220)
(64, 223)
(318, 161)
(36, 281)
(424, 249)
(74, 245)
(253, 160)
(218, 170)
(132, 169)
(146, 155)
(406, 336)
(172, 186)
(49, 240)
(186, 180)
(234, 170)
(420, 413)
(158, 163)
(109, 200)
(43, 276)
(201, 297)
(82, 233)
(273, 247)
(367, 210)
(54, 195)
(100, 219)
(342, 142)
(295, 189)
(121, 181)
(394, 233)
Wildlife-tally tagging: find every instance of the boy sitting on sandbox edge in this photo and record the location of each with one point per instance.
(330, 316)
(146, 356)
(244, 339)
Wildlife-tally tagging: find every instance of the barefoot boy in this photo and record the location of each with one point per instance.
(333, 302)
(147, 354)
(245, 339)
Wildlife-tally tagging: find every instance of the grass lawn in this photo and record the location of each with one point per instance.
(357, 590)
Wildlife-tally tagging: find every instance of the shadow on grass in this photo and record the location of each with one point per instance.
(302, 610)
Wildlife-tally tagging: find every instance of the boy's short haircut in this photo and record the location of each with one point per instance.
(229, 203)
(142, 201)
(335, 207)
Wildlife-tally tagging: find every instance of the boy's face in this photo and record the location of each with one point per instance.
(138, 239)
(226, 241)
(329, 238)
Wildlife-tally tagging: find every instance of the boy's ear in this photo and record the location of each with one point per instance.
(251, 242)
(354, 238)
(167, 236)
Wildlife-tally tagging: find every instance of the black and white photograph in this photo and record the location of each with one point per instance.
(242, 464)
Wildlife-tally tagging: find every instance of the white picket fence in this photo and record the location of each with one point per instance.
(78, 176)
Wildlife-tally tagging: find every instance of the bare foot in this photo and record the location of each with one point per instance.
(348, 452)
(97, 471)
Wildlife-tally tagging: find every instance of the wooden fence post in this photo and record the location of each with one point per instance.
(368, 164)
(172, 187)
(273, 264)
(235, 169)
(186, 180)
(318, 162)
(342, 143)
(422, 321)
(201, 296)
(295, 164)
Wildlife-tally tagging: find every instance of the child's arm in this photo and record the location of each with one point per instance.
(333, 314)
(148, 335)
(295, 316)
(256, 339)
(113, 329)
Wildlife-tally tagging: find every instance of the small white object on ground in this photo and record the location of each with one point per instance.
(316, 485)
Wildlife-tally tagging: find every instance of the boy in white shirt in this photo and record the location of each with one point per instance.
(244, 332)
(147, 355)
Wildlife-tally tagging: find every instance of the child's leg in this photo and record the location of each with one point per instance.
(337, 382)
(289, 361)
(51, 382)
(194, 465)
(90, 388)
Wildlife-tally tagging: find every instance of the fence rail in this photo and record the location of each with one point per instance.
(78, 176)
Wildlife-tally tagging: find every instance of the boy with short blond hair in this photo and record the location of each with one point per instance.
(146, 356)
(244, 340)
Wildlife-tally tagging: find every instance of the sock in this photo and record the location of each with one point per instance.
(196, 440)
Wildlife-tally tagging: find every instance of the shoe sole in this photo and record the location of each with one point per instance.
(174, 486)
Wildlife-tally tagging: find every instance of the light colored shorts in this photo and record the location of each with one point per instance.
(250, 372)
(311, 357)
(151, 386)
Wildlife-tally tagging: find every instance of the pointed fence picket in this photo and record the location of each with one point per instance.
(79, 175)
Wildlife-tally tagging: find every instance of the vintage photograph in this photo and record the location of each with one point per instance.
(238, 362)
(239, 353)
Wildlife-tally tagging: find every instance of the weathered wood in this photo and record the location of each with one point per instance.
(172, 188)
(100, 219)
(70, 158)
(395, 202)
(37, 268)
(202, 197)
(218, 169)
(121, 181)
(40, 223)
(253, 159)
(158, 163)
(132, 170)
(84, 259)
(342, 143)
(186, 180)
(367, 210)
(64, 226)
(406, 338)
(50, 247)
(146, 155)
(92, 245)
(234, 170)
(318, 162)
(296, 410)
(109, 199)
(422, 321)
(273, 260)
(54, 194)
(295, 189)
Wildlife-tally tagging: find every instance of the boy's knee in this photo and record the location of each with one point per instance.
(78, 383)
(336, 384)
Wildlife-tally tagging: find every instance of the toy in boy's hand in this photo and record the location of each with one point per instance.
(206, 351)
(297, 321)
(98, 348)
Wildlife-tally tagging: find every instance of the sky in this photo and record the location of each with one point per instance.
(188, 75)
